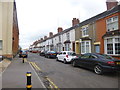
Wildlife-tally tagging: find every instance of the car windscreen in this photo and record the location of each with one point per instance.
(105, 56)
(24, 52)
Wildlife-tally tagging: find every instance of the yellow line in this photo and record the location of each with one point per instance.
(52, 83)
(35, 66)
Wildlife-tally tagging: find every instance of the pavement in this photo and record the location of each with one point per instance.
(14, 74)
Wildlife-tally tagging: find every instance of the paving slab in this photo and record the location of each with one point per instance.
(15, 75)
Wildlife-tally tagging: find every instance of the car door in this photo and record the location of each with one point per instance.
(59, 56)
(84, 60)
(92, 61)
(63, 56)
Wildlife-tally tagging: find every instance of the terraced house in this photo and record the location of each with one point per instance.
(9, 31)
(98, 34)
(101, 33)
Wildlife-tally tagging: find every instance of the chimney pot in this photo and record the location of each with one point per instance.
(60, 29)
(50, 34)
(111, 3)
(75, 21)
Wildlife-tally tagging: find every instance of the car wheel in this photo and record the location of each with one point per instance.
(98, 69)
(48, 57)
(74, 64)
(64, 61)
(57, 59)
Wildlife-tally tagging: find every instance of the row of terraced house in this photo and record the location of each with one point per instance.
(98, 34)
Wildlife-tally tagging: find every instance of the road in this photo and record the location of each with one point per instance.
(67, 76)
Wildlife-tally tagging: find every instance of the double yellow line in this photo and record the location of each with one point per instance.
(35, 66)
(52, 85)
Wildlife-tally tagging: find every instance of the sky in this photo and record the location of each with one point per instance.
(36, 18)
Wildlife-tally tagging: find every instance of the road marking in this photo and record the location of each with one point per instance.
(52, 83)
(35, 66)
(38, 77)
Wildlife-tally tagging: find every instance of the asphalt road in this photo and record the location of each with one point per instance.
(67, 76)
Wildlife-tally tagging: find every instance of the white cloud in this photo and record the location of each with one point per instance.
(39, 17)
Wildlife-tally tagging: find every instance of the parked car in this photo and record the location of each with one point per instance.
(51, 54)
(42, 53)
(65, 56)
(23, 53)
(100, 63)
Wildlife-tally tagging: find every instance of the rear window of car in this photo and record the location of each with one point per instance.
(52, 52)
(64, 52)
(71, 53)
(106, 56)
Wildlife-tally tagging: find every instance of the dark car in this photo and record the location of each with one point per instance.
(51, 54)
(23, 53)
(42, 53)
(100, 63)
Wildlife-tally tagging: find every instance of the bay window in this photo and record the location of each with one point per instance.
(112, 46)
(85, 47)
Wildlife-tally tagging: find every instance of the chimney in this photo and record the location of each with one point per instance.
(111, 3)
(75, 21)
(45, 37)
(60, 29)
(41, 39)
(50, 34)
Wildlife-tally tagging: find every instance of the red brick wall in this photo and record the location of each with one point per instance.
(101, 30)
(15, 38)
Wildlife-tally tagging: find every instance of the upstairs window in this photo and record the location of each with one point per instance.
(59, 39)
(68, 36)
(84, 31)
(112, 23)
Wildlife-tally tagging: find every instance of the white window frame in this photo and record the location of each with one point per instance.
(1, 46)
(85, 47)
(110, 21)
(105, 45)
(84, 29)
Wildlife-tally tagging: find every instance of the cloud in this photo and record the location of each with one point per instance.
(37, 18)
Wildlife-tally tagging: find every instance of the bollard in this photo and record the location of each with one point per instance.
(29, 86)
(23, 59)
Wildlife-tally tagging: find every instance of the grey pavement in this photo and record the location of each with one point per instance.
(15, 75)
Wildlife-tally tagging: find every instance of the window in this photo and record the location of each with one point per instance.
(84, 31)
(0, 44)
(85, 47)
(64, 52)
(59, 38)
(93, 56)
(67, 47)
(112, 46)
(68, 36)
(85, 56)
(112, 23)
(97, 48)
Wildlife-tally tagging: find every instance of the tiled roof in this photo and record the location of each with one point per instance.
(90, 20)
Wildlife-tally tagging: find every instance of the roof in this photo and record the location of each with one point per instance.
(90, 20)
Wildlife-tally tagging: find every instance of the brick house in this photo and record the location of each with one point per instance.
(9, 40)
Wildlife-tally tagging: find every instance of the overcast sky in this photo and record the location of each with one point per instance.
(36, 18)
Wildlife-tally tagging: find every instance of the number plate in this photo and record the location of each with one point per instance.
(118, 63)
